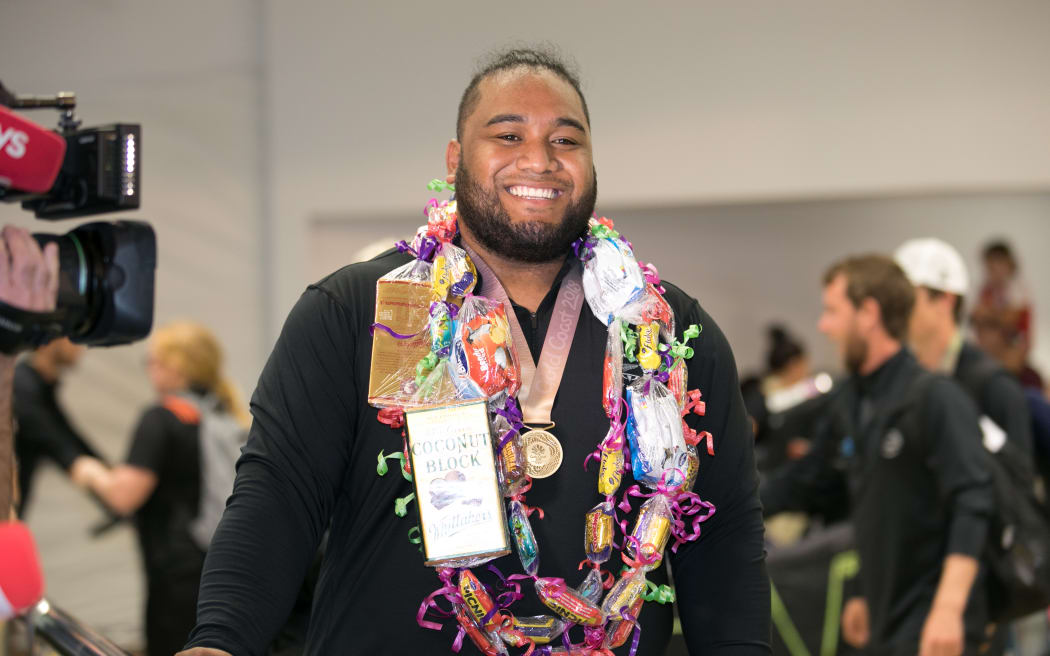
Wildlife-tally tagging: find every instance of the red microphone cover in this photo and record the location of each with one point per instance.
(21, 581)
(30, 154)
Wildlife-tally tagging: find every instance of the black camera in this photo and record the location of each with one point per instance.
(106, 270)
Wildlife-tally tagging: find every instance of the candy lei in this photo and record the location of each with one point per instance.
(647, 436)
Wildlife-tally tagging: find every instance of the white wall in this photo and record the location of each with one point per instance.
(692, 102)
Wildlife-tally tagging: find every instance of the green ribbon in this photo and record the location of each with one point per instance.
(425, 366)
(678, 349)
(415, 537)
(401, 505)
(630, 342)
(661, 594)
(382, 469)
(438, 184)
(602, 231)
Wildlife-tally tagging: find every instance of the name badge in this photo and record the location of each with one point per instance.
(461, 514)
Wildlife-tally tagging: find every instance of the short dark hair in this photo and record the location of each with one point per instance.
(783, 348)
(957, 309)
(880, 278)
(540, 58)
(999, 249)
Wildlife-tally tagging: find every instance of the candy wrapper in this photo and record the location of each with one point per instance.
(521, 530)
(541, 629)
(649, 346)
(567, 603)
(453, 272)
(651, 531)
(483, 357)
(624, 594)
(677, 382)
(487, 642)
(654, 431)
(598, 533)
(618, 631)
(612, 372)
(611, 278)
(400, 339)
(651, 306)
(592, 587)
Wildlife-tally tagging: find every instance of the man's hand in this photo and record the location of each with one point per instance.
(28, 276)
(856, 630)
(943, 633)
(203, 651)
(85, 470)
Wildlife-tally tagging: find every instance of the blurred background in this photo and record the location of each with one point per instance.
(742, 146)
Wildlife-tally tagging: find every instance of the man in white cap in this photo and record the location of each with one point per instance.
(935, 336)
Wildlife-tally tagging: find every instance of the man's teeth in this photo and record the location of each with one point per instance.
(532, 192)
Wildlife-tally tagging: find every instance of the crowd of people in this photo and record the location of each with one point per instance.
(899, 447)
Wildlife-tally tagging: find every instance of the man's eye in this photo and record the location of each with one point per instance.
(509, 137)
(565, 141)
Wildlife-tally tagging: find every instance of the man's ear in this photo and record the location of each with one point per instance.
(869, 315)
(452, 153)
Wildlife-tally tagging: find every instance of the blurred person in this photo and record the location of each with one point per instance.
(28, 280)
(162, 481)
(43, 431)
(941, 282)
(908, 443)
(525, 182)
(1002, 316)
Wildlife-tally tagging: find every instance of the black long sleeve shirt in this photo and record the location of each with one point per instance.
(916, 495)
(311, 462)
(44, 432)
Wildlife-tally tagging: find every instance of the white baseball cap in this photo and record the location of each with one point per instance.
(935, 264)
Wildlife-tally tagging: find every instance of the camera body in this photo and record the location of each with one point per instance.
(106, 270)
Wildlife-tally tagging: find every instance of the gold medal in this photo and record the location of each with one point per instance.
(542, 453)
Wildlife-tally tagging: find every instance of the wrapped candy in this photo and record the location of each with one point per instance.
(651, 530)
(441, 220)
(454, 274)
(477, 600)
(611, 277)
(399, 339)
(612, 372)
(617, 632)
(541, 629)
(566, 603)
(651, 306)
(677, 382)
(440, 327)
(598, 532)
(624, 594)
(487, 642)
(649, 346)
(521, 529)
(484, 362)
(610, 471)
(592, 587)
(692, 468)
(654, 430)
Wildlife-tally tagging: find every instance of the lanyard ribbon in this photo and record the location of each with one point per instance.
(539, 381)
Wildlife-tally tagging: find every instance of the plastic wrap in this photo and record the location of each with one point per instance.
(651, 530)
(521, 531)
(598, 533)
(484, 362)
(612, 372)
(541, 629)
(611, 278)
(654, 430)
(566, 603)
(624, 593)
(592, 587)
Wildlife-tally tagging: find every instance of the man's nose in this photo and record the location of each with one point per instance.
(537, 157)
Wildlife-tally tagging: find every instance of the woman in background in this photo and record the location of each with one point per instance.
(160, 483)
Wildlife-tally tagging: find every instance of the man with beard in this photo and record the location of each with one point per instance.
(910, 447)
(525, 181)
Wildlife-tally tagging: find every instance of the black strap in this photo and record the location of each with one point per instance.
(21, 329)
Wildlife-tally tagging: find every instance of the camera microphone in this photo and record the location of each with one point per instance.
(21, 581)
(30, 155)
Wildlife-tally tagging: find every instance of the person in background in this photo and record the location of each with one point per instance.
(941, 281)
(920, 495)
(161, 481)
(43, 431)
(1002, 317)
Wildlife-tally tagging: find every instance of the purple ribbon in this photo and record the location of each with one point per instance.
(372, 331)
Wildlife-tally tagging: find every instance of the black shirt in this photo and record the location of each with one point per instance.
(996, 393)
(170, 448)
(917, 495)
(310, 462)
(43, 430)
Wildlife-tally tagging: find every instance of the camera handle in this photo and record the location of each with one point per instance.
(64, 101)
(21, 329)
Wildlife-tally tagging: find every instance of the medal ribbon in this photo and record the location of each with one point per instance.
(539, 381)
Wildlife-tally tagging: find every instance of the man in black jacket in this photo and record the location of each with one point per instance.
(909, 445)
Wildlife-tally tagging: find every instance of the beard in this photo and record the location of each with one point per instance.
(528, 241)
(856, 353)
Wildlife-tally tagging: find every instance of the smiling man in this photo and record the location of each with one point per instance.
(526, 187)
